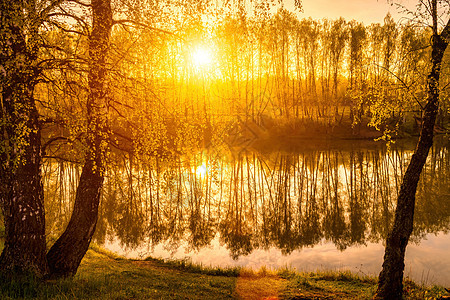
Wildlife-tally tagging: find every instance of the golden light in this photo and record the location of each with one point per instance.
(201, 57)
(201, 170)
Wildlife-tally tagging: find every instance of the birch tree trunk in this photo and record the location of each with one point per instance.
(21, 190)
(65, 255)
(390, 285)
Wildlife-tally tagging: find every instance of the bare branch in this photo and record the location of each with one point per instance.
(64, 13)
(62, 28)
(45, 13)
(139, 24)
(80, 3)
(403, 83)
(52, 140)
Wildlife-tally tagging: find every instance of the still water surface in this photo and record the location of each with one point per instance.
(310, 207)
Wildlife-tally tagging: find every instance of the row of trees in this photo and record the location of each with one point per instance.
(311, 68)
(266, 71)
(267, 67)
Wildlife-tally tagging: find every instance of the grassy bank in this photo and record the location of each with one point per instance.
(103, 275)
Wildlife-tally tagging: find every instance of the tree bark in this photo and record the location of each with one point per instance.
(65, 255)
(23, 210)
(21, 190)
(390, 285)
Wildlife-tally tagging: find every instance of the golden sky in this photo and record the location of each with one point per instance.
(367, 11)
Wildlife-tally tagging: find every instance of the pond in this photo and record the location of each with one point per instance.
(310, 207)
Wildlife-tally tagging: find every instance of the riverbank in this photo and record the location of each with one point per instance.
(103, 275)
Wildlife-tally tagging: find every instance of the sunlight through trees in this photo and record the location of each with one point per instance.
(118, 102)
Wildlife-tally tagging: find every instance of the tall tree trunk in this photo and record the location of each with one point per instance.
(390, 285)
(21, 190)
(65, 255)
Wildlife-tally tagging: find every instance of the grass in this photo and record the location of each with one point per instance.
(328, 285)
(104, 275)
(346, 285)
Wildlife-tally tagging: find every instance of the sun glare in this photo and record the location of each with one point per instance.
(201, 57)
(201, 170)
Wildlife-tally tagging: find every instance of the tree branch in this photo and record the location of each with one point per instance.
(45, 13)
(80, 3)
(125, 21)
(57, 138)
(402, 82)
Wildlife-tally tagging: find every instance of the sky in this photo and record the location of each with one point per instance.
(366, 11)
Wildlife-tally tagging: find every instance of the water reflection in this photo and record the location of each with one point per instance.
(252, 200)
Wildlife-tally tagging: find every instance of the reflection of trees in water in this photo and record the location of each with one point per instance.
(286, 200)
(334, 226)
(237, 225)
(61, 180)
(433, 193)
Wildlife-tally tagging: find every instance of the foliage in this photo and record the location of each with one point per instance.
(264, 69)
(270, 74)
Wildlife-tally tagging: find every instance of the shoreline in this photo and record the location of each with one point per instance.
(104, 275)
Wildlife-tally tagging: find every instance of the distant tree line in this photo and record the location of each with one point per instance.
(281, 70)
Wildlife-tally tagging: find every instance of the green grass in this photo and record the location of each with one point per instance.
(328, 285)
(346, 285)
(188, 266)
(104, 275)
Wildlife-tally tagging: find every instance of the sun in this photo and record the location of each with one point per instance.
(201, 57)
(201, 170)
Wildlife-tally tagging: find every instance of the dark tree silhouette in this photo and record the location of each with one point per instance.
(390, 285)
(21, 190)
(66, 254)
